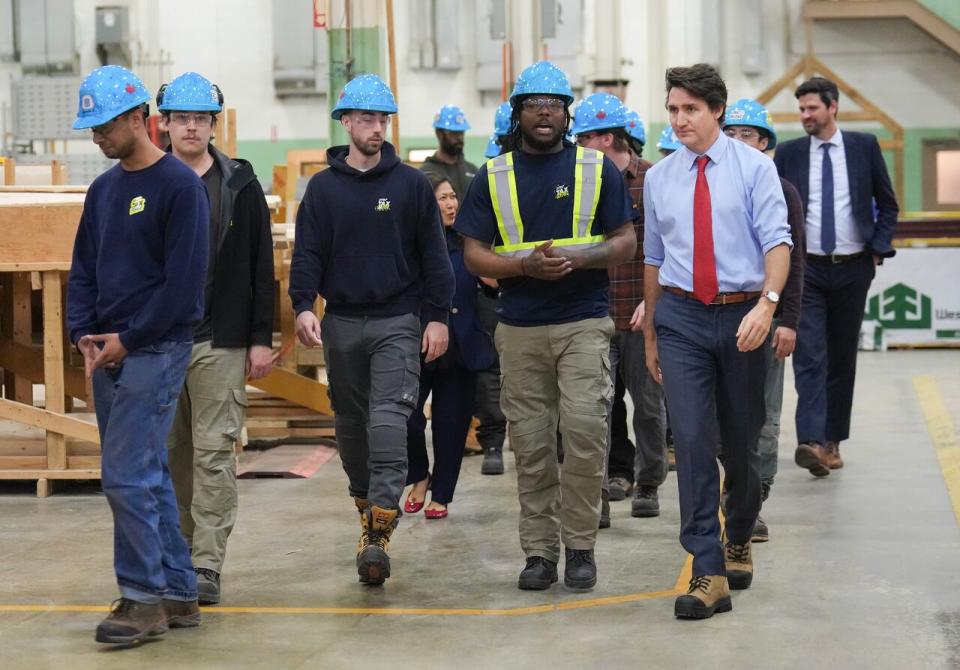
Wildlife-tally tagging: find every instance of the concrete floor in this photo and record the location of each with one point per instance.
(861, 571)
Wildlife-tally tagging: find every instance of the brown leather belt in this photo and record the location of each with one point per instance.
(720, 299)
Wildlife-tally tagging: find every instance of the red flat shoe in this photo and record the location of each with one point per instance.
(411, 507)
(435, 513)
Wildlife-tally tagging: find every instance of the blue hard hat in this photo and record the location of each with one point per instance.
(502, 121)
(542, 78)
(451, 117)
(190, 92)
(668, 140)
(493, 148)
(106, 93)
(367, 92)
(635, 128)
(747, 112)
(600, 111)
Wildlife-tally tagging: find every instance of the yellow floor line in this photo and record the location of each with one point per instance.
(943, 434)
(679, 588)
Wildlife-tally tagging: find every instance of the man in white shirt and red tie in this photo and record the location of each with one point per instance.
(841, 177)
(717, 253)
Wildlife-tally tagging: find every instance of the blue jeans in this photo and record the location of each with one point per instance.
(135, 403)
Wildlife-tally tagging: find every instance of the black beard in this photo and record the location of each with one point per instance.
(451, 149)
(537, 144)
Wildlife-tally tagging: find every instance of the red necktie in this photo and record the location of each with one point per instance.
(705, 286)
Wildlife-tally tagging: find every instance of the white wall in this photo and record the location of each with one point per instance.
(230, 41)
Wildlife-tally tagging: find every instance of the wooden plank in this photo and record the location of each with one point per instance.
(51, 421)
(22, 332)
(89, 473)
(9, 170)
(296, 388)
(279, 433)
(53, 363)
(27, 361)
(42, 188)
(52, 232)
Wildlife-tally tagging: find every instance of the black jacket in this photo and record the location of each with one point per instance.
(868, 179)
(241, 312)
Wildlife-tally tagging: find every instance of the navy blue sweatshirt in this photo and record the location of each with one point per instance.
(371, 243)
(140, 256)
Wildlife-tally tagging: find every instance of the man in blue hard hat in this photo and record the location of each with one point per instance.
(232, 342)
(135, 294)
(492, 427)
(749, 122)
(547, 219)
(717, 249)
(450, 124)
(369, 241)
(668, 142)
(601, 123)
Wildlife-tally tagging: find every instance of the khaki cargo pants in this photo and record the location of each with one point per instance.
(201, 450)
(552, 376)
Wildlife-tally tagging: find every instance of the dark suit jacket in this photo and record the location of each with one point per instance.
(869, 183)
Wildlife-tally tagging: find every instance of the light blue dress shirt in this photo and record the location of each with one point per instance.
(748, 210)
(849, 240)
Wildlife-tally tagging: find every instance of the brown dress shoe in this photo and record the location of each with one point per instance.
(706, 594)
(739, 564)
(810, 455)
(831, 456)
(181, 613)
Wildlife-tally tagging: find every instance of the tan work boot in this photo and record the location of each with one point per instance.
(706, 594)
(131, 621)
(831, 456)
(810, 455)
(739, 564)
(373, 564)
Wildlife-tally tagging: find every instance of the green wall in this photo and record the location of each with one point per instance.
(264, 153)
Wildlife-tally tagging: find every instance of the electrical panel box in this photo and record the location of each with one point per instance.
(8, 49)
(490, 32)
(300, 51)
(561, 26)
(45, 35)
(113, 25)
(44, 108)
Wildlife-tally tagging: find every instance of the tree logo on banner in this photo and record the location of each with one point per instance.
(901, 307)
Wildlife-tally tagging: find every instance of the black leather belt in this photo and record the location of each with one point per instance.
(835, 259)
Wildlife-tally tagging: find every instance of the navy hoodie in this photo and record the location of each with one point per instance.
(371, 243)
(140, 255)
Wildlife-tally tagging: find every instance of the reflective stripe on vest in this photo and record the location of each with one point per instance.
(502, 181)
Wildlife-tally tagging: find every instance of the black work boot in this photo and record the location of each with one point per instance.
(131, 621)
(604, 509)
(373, 563)
(181, 613)
(492, 461)
(580, 571)
(645, 502)
(208, 586)
(538, 574)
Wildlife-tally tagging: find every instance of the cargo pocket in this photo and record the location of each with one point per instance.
(235, 409)
(410, 386)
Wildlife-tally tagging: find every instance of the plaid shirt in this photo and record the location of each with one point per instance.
(626, 280)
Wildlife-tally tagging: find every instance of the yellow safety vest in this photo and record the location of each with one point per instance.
(586, 194)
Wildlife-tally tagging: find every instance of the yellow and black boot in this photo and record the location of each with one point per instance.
(373, 564)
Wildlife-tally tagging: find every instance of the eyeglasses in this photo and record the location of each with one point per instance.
(200, 120)
(584, 138)
(741, 133)
(536, 104)
(105, 128)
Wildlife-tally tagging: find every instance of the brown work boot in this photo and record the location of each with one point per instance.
(739, 564)
(707, 594)
(181, 613)
(373, 563)
(131, 621)
(831, 456)
(810, 455)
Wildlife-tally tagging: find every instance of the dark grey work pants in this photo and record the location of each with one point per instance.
(373, 369)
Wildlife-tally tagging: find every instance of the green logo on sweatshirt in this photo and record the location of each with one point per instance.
(383, 205)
